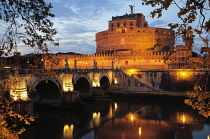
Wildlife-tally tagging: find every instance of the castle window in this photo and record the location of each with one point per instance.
(124, 23)
(131, 23)
(112, 29)
(112, 25)
(138, 31)
(123, 30)
(131, 28)
(118, 24)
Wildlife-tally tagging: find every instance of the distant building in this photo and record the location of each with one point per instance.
(130, 34)
(130, 43)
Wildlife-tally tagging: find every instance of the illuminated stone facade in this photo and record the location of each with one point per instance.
(130, 44)
(130, 34)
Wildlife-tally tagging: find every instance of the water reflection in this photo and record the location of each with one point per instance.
(120, 120)
(68, 131)
(96, 119)
(140, 131)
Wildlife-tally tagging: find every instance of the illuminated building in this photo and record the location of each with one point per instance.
(130, 44)
(130, 34)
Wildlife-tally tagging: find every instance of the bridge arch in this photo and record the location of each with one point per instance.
(105, 82)
(82, 84)
(46, 89)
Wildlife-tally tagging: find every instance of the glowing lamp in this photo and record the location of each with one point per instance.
(183, 73)
(95, 84)
(71, 88)
(131, 71)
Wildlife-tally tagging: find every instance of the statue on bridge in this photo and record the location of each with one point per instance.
(75, 64)
(112, 64)
(67, 64)
(95, 64)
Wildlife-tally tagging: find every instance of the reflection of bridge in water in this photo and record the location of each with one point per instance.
(107, 120)
(151, 121)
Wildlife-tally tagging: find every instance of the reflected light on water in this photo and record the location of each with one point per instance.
(68, 131)
(96, 119)
(208, 137)
(183, 119)
(132, 117)
(140, 128)
(115, 105)
(115, 81)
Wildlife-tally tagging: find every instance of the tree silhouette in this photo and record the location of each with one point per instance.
(195, 23)
(193, 14)
(25, 22)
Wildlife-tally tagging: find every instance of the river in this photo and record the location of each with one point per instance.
(149, 118)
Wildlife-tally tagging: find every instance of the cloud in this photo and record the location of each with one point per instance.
(73, 8)
(80, 20)
(77, 21)
(159, 23)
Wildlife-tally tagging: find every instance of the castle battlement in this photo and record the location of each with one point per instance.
(128, 16)
(142, 55)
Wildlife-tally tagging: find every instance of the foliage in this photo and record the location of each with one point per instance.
(24, 22)
(194, 23)
(199, 99)
(27, 22)
(191, 12)
(30, 61)
(9, 121)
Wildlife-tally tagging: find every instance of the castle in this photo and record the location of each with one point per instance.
(130, 44)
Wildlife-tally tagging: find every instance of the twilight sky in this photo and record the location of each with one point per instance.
(77, 21)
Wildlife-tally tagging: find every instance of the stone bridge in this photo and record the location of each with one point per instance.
(55, 85)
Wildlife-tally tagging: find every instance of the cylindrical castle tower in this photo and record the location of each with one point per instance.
(130, 34)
